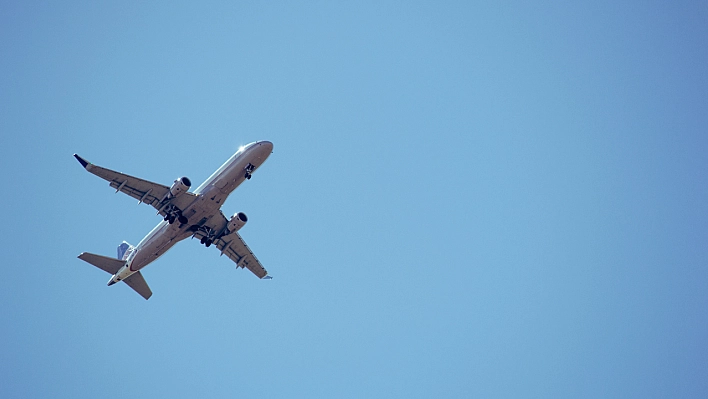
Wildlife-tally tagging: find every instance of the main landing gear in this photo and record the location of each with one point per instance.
(209, 235)
(172, 214)
(249, 170)
(172, 218)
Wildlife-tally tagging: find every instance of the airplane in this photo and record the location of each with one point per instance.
(196, 214)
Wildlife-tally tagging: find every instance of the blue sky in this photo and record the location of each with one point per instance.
(465, 199)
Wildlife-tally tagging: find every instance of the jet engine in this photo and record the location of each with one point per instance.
(236, 222)
(180, 185)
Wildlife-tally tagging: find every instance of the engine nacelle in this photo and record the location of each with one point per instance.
(237, 221)
(180, 186)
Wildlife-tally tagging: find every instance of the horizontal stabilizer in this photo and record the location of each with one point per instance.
(137, 282)
(109, 265)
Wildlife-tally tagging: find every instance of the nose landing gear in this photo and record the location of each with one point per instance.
(249, 171)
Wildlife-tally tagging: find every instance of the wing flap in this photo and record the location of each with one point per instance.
(236, 249)
(144, 191)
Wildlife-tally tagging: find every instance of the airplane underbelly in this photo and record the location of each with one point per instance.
(155, 247)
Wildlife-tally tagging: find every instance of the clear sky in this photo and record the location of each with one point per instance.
(465, 199)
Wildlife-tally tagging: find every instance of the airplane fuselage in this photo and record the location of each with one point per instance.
(211, 195)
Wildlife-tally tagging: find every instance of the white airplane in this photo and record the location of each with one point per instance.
(185, 214)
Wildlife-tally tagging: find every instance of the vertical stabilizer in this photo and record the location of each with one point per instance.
(124, 250)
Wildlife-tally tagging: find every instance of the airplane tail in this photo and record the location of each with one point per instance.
(136, 281)
(124, 250)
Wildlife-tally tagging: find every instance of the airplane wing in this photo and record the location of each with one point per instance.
(142, 190)
(234, 247)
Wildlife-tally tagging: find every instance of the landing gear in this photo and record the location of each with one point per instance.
(209, 236)
(172, 213)
(249, 170)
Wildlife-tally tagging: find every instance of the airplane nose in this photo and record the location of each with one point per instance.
(266, 144)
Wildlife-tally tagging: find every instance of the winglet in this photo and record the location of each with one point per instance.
(267, 277)
(82, 161)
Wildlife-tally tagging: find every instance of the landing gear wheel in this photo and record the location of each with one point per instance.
(172, 219)
(203, 240)
(249, 169)
(182, 219)
(208, 243)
